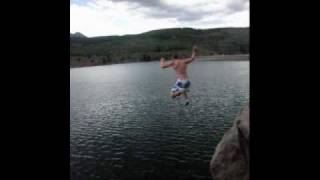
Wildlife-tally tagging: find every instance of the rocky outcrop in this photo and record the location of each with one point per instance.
(231, 158)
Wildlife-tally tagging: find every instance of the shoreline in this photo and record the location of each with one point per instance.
(233, 57)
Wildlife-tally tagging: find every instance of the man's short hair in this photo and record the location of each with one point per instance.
(175, 56)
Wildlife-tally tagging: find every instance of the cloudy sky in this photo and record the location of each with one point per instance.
(119, 17)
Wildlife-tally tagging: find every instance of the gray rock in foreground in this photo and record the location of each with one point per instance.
(231, 158)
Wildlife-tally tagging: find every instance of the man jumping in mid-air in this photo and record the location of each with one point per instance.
(182, 84)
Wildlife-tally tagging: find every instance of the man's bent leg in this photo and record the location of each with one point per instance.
(186, 97)
(175, 94)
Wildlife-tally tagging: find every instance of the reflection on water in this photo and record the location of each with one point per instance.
(125, 126)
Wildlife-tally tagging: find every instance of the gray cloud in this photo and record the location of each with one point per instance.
(159, 9)
(237, 5)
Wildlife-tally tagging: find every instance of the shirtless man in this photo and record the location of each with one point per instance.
(182, 83)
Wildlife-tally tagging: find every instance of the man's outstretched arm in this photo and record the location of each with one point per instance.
(164, 64)
(194, 51)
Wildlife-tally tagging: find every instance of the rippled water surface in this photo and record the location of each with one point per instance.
(124, 125)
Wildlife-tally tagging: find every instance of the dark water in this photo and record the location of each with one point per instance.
(125, 126)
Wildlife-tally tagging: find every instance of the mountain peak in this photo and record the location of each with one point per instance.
(77, 35)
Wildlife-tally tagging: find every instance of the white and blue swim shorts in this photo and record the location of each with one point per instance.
(181, 85)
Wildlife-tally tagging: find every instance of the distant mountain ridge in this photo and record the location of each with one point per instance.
(157, 43)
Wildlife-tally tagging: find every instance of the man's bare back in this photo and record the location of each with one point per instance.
(180, 68)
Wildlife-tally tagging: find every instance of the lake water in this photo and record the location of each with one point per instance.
(124, 125)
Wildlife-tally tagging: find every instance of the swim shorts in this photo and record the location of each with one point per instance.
(181, 85)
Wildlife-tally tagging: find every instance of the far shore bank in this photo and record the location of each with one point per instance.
(235, 57)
